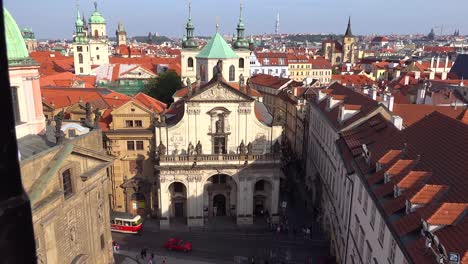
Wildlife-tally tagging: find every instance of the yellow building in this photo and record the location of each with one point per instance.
(299, 67)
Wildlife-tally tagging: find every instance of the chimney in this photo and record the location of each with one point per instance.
(432, 75)
(417, 75)
(397, 122)
(443, 76)
(397, 74)
(446, 64)
(432, 62)
(374, 94)
(421, 95)
(391, 100)
(438, 61)
(406, 80)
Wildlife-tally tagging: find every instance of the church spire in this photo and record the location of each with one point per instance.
(349, 33)
(189, 42)
(241, 42)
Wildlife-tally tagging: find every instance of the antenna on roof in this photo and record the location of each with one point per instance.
(217, 23)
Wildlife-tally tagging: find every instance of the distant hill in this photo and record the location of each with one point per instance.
(154, 39)
(310, 37)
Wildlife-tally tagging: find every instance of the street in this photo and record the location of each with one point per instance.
(224, 242)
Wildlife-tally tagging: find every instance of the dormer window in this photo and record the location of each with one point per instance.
(396, 191)
(67, 183)
(387, 177)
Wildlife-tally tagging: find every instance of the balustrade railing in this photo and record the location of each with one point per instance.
(219, 157)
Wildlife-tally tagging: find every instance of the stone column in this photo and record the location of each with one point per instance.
(195, 212)
(244, 201)
(275, 199)
(165, 201)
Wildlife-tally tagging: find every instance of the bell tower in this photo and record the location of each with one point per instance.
(121, 35)
(81, 53)
(189, 50)
(348, 44)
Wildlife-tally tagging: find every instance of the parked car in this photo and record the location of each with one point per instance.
(178, 245)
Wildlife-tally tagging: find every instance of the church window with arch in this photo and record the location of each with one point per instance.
(80, 58)
(190, 62)
(241, 63)
(232, 73)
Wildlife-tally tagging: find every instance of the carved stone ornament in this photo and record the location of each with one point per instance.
(276, 147)
(97, 116)
(249, 148)
(194, 178)
(242, 149)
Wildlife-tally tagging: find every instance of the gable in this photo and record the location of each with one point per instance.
(137, 73)
(220, 92)
(131, 108)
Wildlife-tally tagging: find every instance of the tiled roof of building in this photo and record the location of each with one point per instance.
(412, 113)
(350, 97)
(320, 63)
(380, 39)
(439, 49)
(273, 58)
(357, 80)
(269, 81)
(447, 214)
(67, 79)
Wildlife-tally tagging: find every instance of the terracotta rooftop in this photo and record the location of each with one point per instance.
(400, 166)
(390, 156)
(428, 193)
(413, 178)
(412, 113)
(447, 214)
(269, 81)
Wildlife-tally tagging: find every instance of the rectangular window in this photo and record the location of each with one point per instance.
(128, 123)
(16, 109)
(79, 48)
(138, 123)
(381, 231)
(361, 241)
(391, 254)
(67, 183)
(139, 145)
(97, 57)
(356, 228)
(81, 69)
(130, 145)
(369, 253)
(366, 199)
(71, 133)
(360, 192)
(372, 216)
(103, 244)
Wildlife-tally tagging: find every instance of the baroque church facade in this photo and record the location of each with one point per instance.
(341, 52)
(90, 42)
(200, 63)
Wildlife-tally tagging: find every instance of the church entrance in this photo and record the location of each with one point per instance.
(178, 203)
(219, 205)
(179, 209)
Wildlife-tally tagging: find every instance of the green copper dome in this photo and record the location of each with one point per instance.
(16, 48)
(217, 48)
(96, 17)
(79, 22)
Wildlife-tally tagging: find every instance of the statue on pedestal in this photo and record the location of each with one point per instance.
(161, 149)
(88, 114)
(249, 148)
(241, 83)
(242, 150)
(276, 147)
(198, 148)
(97, 116)
(220, 148)
(59, 135)
(190, 149)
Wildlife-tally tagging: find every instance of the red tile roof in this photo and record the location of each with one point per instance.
(428, 193)
(357, 80)
(66, 79)
(447, 214)
(438, 49)
(412, 113)
(320, 63)
(413, 178)
(269, 81)
(390, 156)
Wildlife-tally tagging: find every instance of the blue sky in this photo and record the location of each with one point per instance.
(55, 18)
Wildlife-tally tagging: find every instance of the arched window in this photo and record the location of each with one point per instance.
(96, 33)
(241, 63)
(190, 62)
(80, 58)
(232, 73)
(338, 59)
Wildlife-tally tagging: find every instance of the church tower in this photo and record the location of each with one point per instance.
(189, 51)
(348, 44)
(98, 42)
(241, 47)
(121, 35)
(81, 53)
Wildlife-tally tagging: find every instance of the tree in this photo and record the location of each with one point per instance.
(163, 86)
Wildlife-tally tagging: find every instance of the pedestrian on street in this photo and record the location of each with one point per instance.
(142, 253)
(152, 256)
(252, 260)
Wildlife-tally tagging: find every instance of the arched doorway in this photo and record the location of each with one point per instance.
(220, 196)
(219, 205)
(178, 201)
(262, 197)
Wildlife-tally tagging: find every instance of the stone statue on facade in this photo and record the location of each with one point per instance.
(241, 83)
(219, 126)
(59, 135)
(190, 149)
(198, 148)
(88, 114)
(189, 87)
(249, 148)
(248, 86)
(242, 149)
(161, 149)
(276, 147)
(220, 148)
(218, 73)
(97, 116)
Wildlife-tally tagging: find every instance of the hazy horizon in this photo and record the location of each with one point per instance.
(52, 19)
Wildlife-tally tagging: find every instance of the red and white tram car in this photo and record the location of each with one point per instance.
(126, 223)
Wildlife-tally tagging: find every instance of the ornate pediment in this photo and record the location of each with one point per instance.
(220, 92)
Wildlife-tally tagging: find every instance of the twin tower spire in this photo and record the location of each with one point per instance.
(189, 41)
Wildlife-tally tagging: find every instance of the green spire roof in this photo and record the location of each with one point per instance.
(79, 22)
(96, 17)
(16, 48)
(217, 48)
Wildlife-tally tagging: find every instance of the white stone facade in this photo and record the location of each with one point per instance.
(219, 118)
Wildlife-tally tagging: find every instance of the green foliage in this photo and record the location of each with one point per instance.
(336, 71)
(164, 86)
